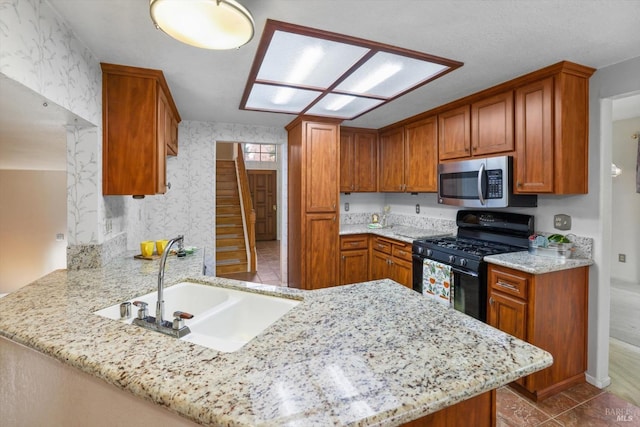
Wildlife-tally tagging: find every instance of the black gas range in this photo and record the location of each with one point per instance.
(480, 233)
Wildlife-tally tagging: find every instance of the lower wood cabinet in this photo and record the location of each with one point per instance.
(391, 259)
(549, 311)
(479, 411)
(354, 259)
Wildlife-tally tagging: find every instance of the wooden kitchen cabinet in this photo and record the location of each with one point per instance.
(140, 122)
(313, 215)
(551, 132)
(549, 311)
(492, 125)
(408, 158)
(358, 160)
(354, 259)
(454, 133)
(391, 259)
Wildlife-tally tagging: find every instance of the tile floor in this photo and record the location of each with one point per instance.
(268, 265)
(581, 406)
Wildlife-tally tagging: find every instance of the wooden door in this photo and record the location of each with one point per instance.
(534, 162)
(421, 156)
(263, 188)
(492, 125)
(391, 161)
(321, 171)
(365, 161)
(454, 133)
(347, 162)
(402, 272)
(354, 266)
(321, 251)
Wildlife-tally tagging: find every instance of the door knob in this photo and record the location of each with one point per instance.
(275, 208)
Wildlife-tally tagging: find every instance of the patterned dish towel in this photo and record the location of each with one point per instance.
(437, 281)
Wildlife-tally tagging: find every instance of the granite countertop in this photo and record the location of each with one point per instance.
(403, 233)
(374, 353)
(535, 264)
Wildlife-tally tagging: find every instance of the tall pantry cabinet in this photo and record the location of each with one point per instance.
(313, 214)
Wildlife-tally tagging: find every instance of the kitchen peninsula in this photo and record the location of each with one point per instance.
(373, 353)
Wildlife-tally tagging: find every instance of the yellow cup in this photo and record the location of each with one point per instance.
(161, 245)
(146, 248)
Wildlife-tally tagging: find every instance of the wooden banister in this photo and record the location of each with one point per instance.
(248, 212)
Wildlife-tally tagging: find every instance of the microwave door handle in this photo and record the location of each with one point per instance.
(480, 179)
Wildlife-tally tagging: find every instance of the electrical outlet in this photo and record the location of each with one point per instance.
(346, 207)
(562, 222)
(417, 208)
(59, 237)
(622, 257)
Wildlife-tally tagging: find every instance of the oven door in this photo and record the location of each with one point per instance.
(469, 287)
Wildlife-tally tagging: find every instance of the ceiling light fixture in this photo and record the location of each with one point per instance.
(207, 24)
(301, 70)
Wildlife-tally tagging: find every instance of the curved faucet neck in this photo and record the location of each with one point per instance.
(163, 261)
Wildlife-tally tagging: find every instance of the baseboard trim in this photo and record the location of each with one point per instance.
(598, 382)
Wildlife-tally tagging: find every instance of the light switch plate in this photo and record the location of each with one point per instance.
(562, 222)
(417, 208)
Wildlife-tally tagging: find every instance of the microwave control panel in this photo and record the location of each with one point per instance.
(494, 181)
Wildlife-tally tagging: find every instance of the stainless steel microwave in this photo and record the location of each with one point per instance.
(480, 183)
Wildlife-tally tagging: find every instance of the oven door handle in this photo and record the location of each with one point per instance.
(465, 272)
(480, 180)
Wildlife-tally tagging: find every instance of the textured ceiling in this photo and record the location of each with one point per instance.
(496, 40)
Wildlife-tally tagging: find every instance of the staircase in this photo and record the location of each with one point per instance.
(231, 252)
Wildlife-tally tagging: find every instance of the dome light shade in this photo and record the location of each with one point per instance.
(208, 24)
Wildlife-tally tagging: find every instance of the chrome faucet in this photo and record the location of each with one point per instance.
(175, 328)
(163, 261)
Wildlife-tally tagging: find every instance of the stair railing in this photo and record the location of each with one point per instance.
(248, 212)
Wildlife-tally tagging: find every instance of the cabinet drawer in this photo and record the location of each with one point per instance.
(402, 252)
(381, 245)
(354, 242)
(509, 283)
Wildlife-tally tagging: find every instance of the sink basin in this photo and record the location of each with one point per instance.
(223, 319)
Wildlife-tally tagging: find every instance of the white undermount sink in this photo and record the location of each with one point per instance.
(223, 319)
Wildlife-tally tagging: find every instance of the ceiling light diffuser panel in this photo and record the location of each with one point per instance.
(300, 70)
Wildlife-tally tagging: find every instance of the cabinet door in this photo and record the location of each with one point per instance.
(365, 161)
(380, 267)
(534, 163)
(402, 272)
(391, 161)
(347, 162)
(321, 168)
(454, 133)
(508, 314)
(421, 156)
(322, 251)
(492, 125)
(171, 133)
(354, 266)
(163, 134)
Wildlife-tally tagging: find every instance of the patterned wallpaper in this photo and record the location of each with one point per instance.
(41, 52)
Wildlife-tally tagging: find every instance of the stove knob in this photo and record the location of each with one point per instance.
(429, 252)
(463, 262)
(452, 259)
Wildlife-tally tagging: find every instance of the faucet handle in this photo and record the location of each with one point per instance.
(143, 311)
(178, 319)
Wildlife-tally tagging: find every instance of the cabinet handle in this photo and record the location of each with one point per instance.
(475, 148)
(519, 184)
(344, 257)
(354, 243)
(402, 252)
(507, 286)
(380, 246)
(491, 301)
(334, 218)
(334, 206)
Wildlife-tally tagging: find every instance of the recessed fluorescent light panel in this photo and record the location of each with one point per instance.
(301, 70)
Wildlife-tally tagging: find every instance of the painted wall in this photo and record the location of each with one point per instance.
(33, 212)
(626, 203)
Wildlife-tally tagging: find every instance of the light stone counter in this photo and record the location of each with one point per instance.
(534, 264)
(403, 233)
(374, 353)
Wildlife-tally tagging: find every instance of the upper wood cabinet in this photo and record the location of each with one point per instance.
(454, 133)
(140, 122)
(358, 160)
(408, 157)
(552, 126)
(313, 194)
(492, 125)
